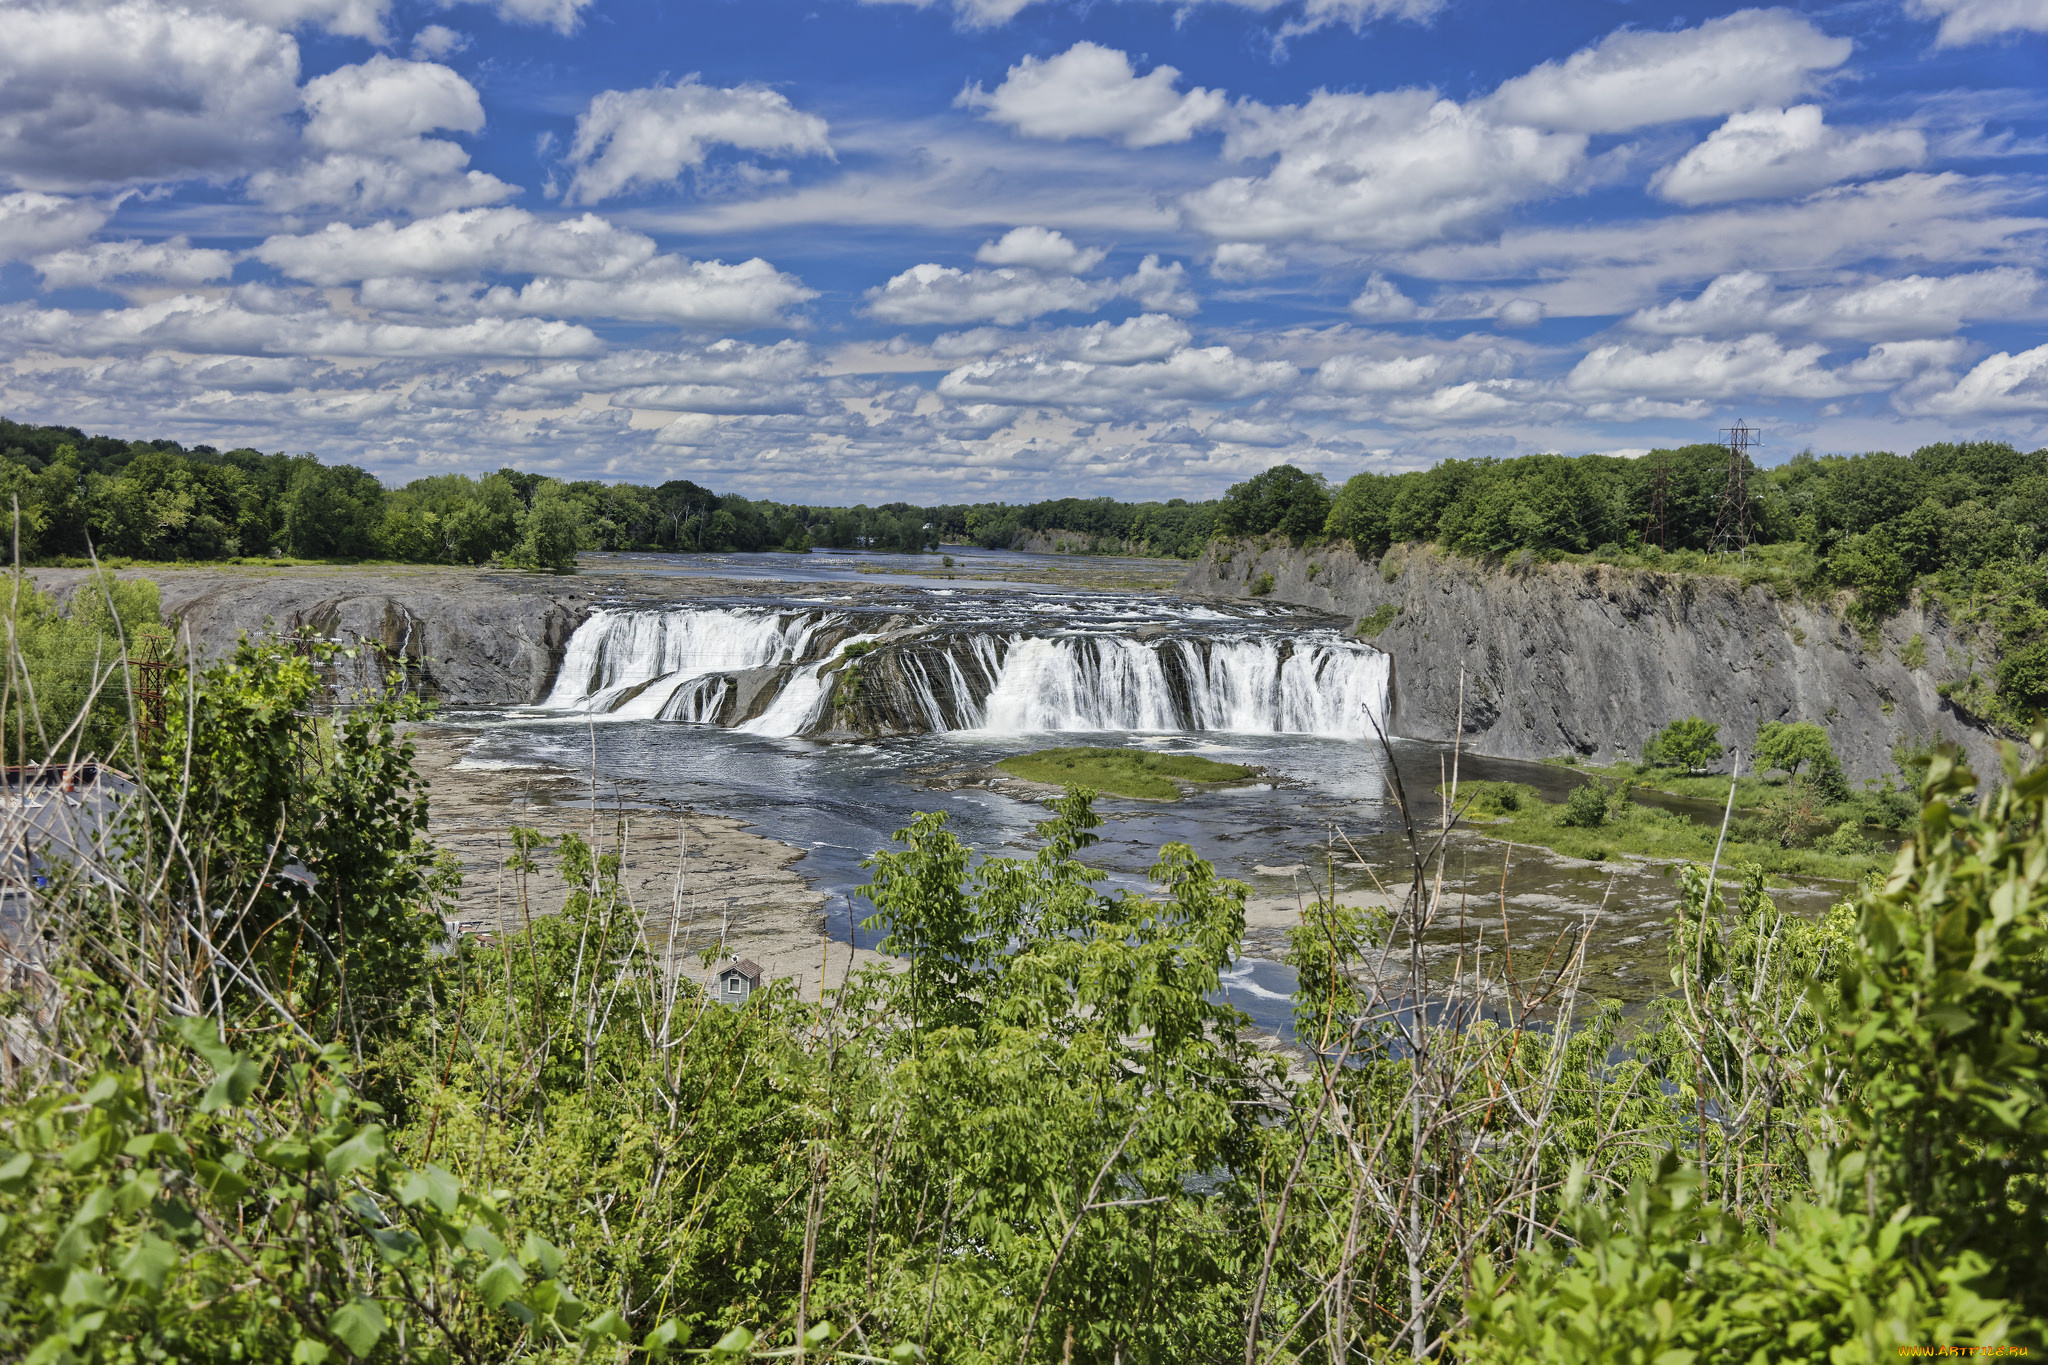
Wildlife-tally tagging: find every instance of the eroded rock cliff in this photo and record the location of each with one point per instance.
(1562, 658)
(468, 637)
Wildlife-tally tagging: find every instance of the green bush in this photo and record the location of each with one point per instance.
(1692, 744)
(1586, 807)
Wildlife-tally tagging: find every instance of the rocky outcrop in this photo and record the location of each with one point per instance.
(466, 637)
(1592, 659)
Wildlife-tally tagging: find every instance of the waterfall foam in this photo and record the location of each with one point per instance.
(783, 672)
(1300, 683)
(634, 665)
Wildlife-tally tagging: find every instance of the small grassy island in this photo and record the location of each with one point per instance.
(1122, 772)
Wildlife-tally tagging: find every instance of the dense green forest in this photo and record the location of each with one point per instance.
(255, 1107)
(158, 500)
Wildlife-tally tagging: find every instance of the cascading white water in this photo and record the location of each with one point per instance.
(638, 665)
(1087, 683)
(679, 666)
(1322, 686)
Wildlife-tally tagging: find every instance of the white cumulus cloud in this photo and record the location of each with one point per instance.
(1999, 385)
(1092, 91)
(669, 289)
(1753, 366)
(1314, 14)
(1910, 305)
(1383, 170)
(559, 15)
(367, 149)
(944, 294)
(31, 223)
(1771, 153)
(1973, 21)
(139, 92)
(638, 139)
(1199, 374)
(1634, 79)
(175, 261)
(1039, 248)
(228, 326)
(458, 245)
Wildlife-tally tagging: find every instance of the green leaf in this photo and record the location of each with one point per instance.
(219, 1181)
(358, 1152)
(609, 1326)
(153, 1144)
(431, 1185)
(307, 1351)
(14, 1172)
(85, 1151)
(203, 1037)
(539, 1252)
(482, 1241)
(733, 1345)
(149, 1262)
(103, 1089)
(358, 1324)
(232, 1087)
(500, 1280)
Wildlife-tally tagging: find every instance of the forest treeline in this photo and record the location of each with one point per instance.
(159, 500)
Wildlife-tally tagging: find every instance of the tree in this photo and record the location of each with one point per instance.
(1691, 744)
(1788, 747)
(1283, 499)
(332, 511)
(1361, 513)
(550, 541)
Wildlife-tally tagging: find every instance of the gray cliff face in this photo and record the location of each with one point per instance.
(468, 638)
(1563, 658)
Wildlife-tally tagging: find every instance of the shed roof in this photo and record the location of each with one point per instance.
(746, 967)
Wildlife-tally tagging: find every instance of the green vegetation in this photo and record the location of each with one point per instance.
(1691, 744)
(1122, 772)
(1282, 501)
(1790, 835)
(1382, 616)
(271, 1122)
(1261, 585)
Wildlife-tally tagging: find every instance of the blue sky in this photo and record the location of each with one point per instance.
(838, 251)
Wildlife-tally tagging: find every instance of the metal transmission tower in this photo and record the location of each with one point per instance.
(1731, 530)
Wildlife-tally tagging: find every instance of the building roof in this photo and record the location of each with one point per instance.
(746, 967)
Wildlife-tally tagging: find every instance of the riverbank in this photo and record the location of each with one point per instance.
(705, 883)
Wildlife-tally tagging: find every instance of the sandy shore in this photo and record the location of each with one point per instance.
(705, 880)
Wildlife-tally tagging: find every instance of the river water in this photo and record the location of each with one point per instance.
(745, 707)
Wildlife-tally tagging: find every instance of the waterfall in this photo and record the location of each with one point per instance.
(772, 671)
(644, 665)
(1310, 684)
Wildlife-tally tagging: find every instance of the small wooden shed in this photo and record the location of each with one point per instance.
(738, 979)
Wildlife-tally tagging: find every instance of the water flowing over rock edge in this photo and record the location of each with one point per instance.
(1592, 659)
(831, 672)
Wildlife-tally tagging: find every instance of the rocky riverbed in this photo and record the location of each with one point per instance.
(704, 883)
